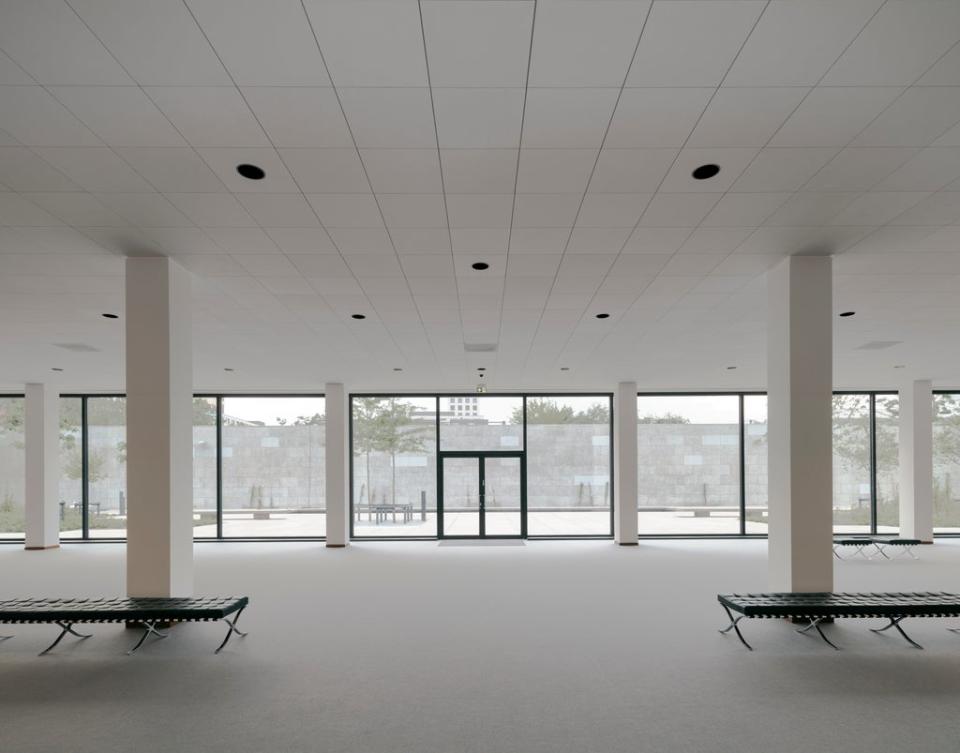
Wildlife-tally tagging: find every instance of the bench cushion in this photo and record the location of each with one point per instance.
(120, 610)
(853, 542)
(897, 541)
(933, 604)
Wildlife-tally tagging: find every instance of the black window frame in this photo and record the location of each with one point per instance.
(609, 396)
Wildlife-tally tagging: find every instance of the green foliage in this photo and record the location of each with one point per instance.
(663, 418)
(386, 425)
(547, 411)
(204, 412)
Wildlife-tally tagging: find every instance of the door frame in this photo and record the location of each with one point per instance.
(481, 456)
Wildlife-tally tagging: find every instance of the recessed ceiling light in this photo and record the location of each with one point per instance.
(481, 368)
(251, 172)
(847, 313)
(705, 172)
(480, 266)
(110, 316)
(358, 316)
(564, 368)
(603, 316)
(900, 366)
(731, 368)
(227, 368)
(55, 368)
(397, 368)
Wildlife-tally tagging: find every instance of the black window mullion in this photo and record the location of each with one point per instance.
(743, 470)
(84, 472)
(873, 462)
(219, 400)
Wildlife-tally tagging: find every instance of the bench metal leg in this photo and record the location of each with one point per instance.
(733, 626)
(65, 627)
(233, 629)
(815, 625)
(149, 628)
(895, 623)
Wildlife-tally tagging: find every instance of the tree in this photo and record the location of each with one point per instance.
(204, 412)
(547, 411)
(663, 418)
(317, 419)
(385, 425)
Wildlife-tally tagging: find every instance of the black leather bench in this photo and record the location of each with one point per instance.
(148, 613)
(817, 607)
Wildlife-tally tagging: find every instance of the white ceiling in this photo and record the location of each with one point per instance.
(553, 140)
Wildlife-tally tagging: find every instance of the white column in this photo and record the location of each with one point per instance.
(916, 460)
(800, 436)
(338, 466)
(159, 355)
(41, 506)
(625, 463)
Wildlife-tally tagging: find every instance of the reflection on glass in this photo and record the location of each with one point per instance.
(501, 496)
(755, 461)
(946, 463)
(888, 463)
(107, 466)
(204, 467)
(273, 466)
(568, 466)
(461, 497)
(481, 422)
(394, 466)
(689, 464)
(851, 463)
(12, 472)
(71, 469)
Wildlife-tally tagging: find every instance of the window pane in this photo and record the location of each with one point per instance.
(107, 466)
(204, 467)
(71, 469)
(481, 423)
(273, 466)
(689, 464)
(394, 466)
(888, 463)
(12, 474)
(851, 463)
(946, 463)
(755, 461)
(568, 466)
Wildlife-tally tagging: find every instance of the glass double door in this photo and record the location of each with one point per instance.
(482, 495)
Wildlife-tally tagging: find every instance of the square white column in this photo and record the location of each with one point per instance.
(625, 463)
(800, 433)
(41, 434)
(916, 460)
(338, 466)
(159, 364)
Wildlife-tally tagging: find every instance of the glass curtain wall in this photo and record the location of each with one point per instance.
(568, 465)
(107, 467)
(852, 496)
(688, 464)
(946, 463)
(887, 436)
(205, 467)
(394, 466)
(71, 467)
(755, 463)
(12, 472)
(273, 467)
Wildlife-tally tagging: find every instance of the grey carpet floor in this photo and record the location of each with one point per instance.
(411, 647)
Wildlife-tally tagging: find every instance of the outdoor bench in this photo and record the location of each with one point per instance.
(145, 612)
(817, 607)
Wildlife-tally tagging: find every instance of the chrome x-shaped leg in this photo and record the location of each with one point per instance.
(733, 626)
(815, 625)
(149, 628)
(65, 627)
(233, 629)
(895, 623)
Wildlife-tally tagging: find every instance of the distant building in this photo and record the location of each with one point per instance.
(463, 407)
